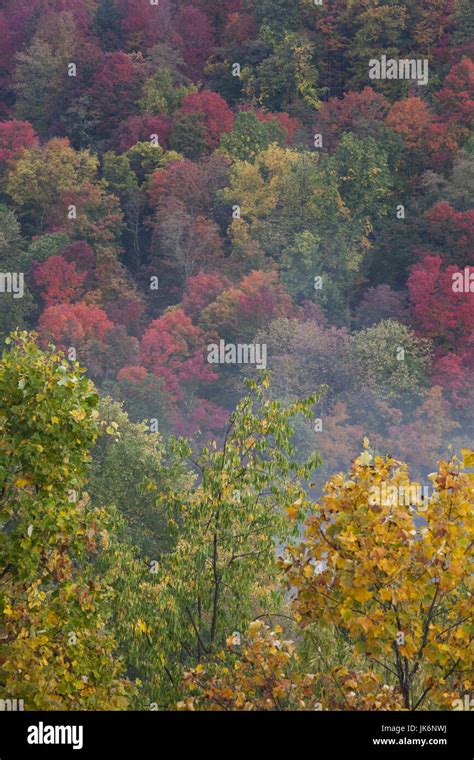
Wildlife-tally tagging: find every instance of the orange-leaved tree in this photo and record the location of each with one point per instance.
(258, 671)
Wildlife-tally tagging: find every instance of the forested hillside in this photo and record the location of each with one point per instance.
(236, 299)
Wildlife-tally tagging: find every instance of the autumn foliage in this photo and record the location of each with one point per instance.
(181, 177)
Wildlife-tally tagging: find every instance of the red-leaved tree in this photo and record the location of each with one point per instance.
(174, 350)
(59, 281)
(194, 38)
(14, 137)
(214, 112)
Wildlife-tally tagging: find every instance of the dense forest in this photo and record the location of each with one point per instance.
(237, 323)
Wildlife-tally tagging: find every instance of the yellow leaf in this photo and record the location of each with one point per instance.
(255, 627)
(365, 459)
(141, 626)
(78, 414)
(362, 595)
(21, 482)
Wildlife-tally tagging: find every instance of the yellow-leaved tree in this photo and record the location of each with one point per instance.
(393, 573)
